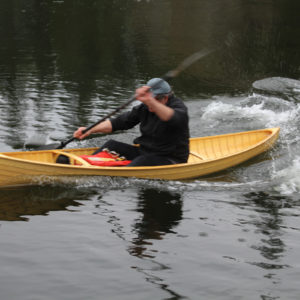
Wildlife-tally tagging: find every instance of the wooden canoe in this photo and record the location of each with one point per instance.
(207, 155)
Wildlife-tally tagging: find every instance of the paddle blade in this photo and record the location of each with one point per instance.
(188, 62)
(35, 141)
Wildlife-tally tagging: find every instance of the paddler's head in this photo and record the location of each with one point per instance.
(160, 89)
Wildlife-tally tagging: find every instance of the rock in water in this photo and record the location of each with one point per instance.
(279, 86)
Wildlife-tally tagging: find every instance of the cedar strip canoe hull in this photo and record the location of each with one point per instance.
(207, 155)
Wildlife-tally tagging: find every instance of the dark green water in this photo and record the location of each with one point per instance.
(232, 235)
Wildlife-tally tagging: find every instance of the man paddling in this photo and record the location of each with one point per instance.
(163, 120)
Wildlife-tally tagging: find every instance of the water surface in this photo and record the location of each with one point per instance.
(231, 235)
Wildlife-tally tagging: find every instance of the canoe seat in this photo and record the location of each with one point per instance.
(72, 157)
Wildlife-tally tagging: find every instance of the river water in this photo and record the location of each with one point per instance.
(231, 235)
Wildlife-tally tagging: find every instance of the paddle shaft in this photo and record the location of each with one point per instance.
(119, 108)
(63, 144)
(169, 75)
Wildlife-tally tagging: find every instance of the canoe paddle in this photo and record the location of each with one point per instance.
(169, 75)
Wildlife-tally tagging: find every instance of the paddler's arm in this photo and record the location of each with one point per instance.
(103, 127)
(158, 107)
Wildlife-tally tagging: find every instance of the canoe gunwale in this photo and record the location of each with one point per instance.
(170, 172)
(144, 167)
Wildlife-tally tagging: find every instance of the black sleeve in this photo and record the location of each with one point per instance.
(180, 114)
(127, 120)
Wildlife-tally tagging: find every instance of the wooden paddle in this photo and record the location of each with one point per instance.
(169, 75)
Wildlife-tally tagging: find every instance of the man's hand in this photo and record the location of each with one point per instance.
(103, 127)
(159, 107)
(144, 95)
(78, 134)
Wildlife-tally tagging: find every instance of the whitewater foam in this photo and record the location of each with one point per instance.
(287, 181)
(219, 111)
(280, 173)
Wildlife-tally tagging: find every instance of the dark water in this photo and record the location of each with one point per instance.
(232, 235)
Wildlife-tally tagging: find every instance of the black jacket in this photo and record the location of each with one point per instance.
(166, 138)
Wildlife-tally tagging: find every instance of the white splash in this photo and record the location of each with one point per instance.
(219, 111)
(288, 180)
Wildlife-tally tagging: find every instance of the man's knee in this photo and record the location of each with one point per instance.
(126, 150)
(110, 145)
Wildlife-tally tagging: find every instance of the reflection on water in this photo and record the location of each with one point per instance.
(161, 212)
(19, 204)
(147, 222)
(63, 63)
(269, 222)
(67, 63)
